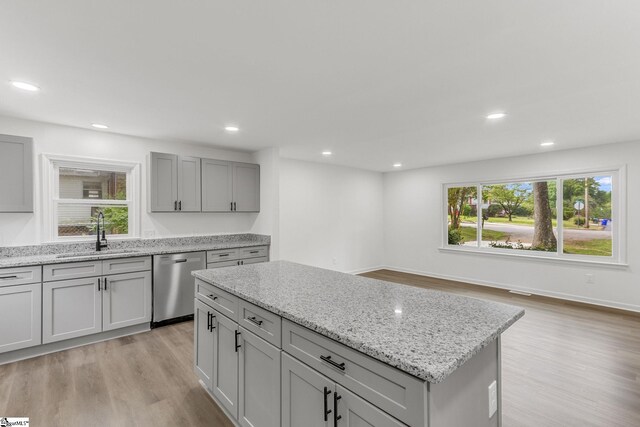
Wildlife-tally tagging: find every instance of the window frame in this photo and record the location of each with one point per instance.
(51, 164)
(618, 217)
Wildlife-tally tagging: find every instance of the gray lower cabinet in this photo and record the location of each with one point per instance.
(16, 167)
(77, 306)
(259, 381)
(20, 308)
(203, 338)
(239, 368)
(71, 308)
(225, 363)
(311, 399)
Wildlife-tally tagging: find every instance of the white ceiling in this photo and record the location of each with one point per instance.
(375, 81)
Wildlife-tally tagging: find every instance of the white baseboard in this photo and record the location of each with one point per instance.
(532, 291)
(365, 270)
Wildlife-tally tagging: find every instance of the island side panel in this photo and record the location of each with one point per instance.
(462, 399)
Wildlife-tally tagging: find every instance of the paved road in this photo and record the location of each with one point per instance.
(524, 233)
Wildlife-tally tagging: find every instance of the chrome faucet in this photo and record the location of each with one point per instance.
(100, 243)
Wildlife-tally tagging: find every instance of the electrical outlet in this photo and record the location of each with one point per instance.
(493, 399)
(334, 261)
(589, 278)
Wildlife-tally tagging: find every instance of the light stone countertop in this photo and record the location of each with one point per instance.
(21, 256)
(426, 333)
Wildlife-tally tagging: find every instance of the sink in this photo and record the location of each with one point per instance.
(94, 253)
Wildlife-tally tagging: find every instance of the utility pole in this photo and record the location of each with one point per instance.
(586, 203)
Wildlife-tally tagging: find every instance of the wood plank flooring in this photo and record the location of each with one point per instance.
(563, 365)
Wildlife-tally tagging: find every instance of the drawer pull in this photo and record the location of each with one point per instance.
(178, 261)
(221, 255)
(254, 252)
(213, 297)
(327, 411)
(332, 363)
(254, 321)
(8, 277)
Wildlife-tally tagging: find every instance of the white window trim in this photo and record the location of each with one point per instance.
(50, 165)
(618, 217)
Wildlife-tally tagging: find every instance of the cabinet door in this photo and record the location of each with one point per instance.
(246, 187)
(20, 310)
(225, 363)
(307, 396)
(189, 184)
(126, 300)
(217, 189)
(259, 382)
(71, 308)
(163, 182)
(203, 321)
(353, 411)
(16, 167)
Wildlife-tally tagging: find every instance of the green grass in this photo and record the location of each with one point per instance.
(469, 234)
(598, 247)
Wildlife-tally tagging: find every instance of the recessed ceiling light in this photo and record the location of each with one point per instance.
(232, 128)
(494, 116)
(25, 86)
(547, 143)
(326, 153)
(397, 165)
(99, 126)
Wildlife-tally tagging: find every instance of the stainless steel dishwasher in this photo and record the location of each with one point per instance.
(173, 286)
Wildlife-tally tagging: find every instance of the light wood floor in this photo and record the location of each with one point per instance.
(563, 365)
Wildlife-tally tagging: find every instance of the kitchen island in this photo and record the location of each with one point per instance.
(281, 343)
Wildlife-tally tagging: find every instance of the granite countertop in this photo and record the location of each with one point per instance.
(21, 256)
(426, 333)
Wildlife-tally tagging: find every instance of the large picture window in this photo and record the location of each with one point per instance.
(80, 189)
(566, 216)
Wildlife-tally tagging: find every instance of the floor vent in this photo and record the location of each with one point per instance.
(526, 294)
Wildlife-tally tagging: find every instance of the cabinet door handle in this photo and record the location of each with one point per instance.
(327, 411)
(237, 345)
(213, 317)
(208, 321)
(105, 283)
(180, 205)
(336, 417)
(332, 363)
(8, 277)
(254, 320)
(231, 206)
(175, 205)
(235, 208)
(99, 282)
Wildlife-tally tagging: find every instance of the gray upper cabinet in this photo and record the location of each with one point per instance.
(246, 187)
(217, 187)
(16, 167)
(230, 186)
(174, 183)
(163, 182)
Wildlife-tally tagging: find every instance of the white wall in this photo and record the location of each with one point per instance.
(24, 229)
(413, 228)
(268, 222)
(330, 212)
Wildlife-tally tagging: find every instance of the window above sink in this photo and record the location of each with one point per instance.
(80, 188)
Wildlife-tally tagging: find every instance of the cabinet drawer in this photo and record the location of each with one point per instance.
(222, 255)
(222, 301)
(72, 270)
(261, 322)
(388, 388)
(254, 260)
(20, 275)
(126, 265)
(222, 264)
(254, 252)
